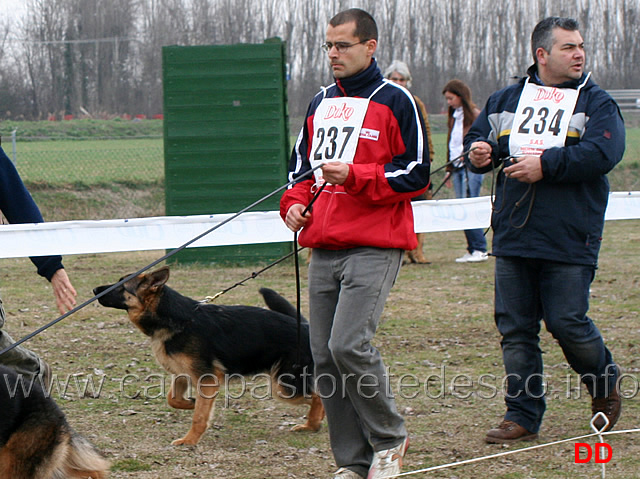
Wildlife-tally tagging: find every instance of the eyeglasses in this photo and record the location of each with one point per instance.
(396, 79)
(340, 46)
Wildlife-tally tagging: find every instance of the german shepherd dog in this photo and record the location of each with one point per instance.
(36, 442)
(201, 343)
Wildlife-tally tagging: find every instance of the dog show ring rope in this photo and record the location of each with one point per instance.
(597, 432)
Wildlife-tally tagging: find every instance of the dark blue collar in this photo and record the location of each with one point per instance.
(533, 74)
(357, 84)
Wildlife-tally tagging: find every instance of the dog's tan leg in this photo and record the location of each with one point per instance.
(314, 416)
(207, 392)
(177, 397)
(418, 254)
(408, 257)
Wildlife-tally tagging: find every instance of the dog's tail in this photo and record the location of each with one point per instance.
(277, 303)
(83, 460)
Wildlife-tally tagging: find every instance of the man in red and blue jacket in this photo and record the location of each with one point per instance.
(369, 136)
(371, 207)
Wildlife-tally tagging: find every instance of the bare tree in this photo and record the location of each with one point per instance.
(106, 57)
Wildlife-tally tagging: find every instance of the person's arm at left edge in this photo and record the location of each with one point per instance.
(406, 175)
(18, 207)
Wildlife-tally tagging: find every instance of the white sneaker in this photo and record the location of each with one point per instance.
(475, 257)
(344, 473)
(478, 256)
(388, 463)
(463, 259)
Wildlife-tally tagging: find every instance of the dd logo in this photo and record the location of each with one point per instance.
(598, 447)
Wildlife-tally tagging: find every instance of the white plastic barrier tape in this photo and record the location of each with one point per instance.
(168, 232)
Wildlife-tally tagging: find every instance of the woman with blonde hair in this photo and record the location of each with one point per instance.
(398, 72)
(461, 114)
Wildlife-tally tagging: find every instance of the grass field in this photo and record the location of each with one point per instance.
(92, 162)
(438, 333)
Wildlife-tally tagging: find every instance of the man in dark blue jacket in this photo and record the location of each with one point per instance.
(18, 206)
(553, 136)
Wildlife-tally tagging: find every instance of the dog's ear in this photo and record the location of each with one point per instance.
(158, 278)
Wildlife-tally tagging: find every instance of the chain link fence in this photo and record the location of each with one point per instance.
(89, 162)
(90, 178)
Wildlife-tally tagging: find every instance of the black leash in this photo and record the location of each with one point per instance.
(297, 267)
(447, 176)
(531, 191)
(450, 162)
(254, 275)
(154, 263)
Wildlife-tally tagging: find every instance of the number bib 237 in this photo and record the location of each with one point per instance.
(541, 120)
(336, 128)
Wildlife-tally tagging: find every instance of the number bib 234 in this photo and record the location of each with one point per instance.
(336, 128)
(541, 120)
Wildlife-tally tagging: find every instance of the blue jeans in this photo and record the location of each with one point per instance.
(526, 292)
(467, 185)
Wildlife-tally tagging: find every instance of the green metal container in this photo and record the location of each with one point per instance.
(226, 137)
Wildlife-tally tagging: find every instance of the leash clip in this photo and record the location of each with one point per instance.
(211, 299)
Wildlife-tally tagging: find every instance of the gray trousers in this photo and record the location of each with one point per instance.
(347, 293)
(19, 359)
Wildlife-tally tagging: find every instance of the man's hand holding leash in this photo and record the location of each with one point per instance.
(527, 169)
(294, 219)
(335, 173)
(480, 154)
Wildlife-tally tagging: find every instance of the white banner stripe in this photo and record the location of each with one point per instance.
(168, 232)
